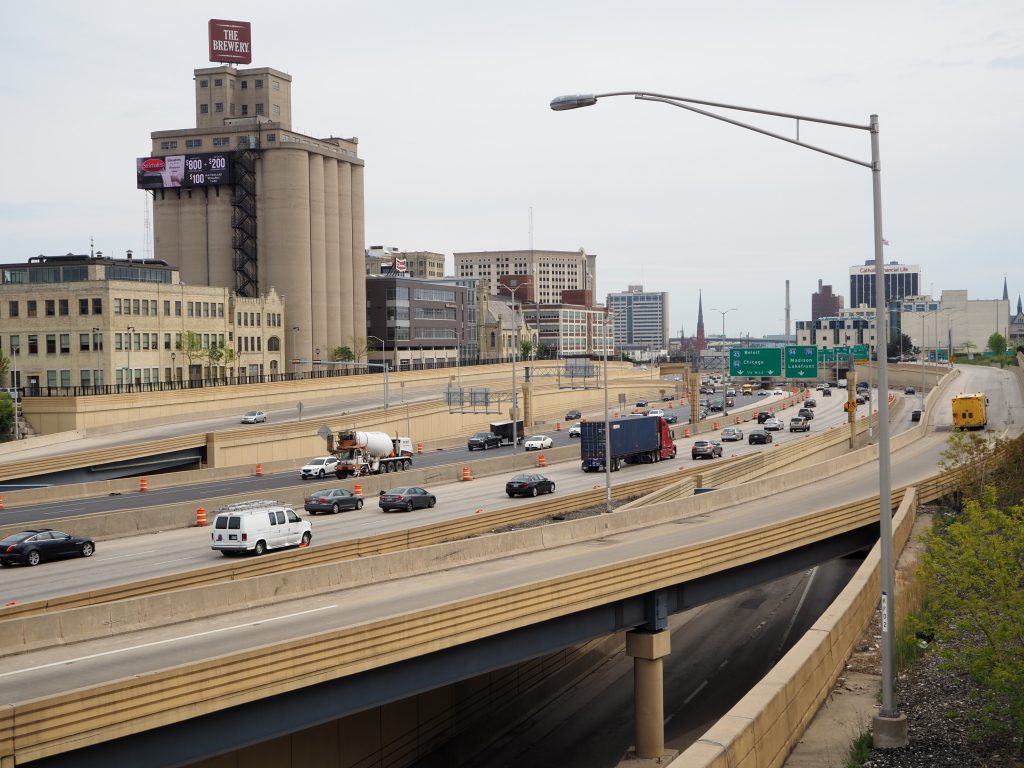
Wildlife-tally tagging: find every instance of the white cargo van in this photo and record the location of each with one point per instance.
(256, 526)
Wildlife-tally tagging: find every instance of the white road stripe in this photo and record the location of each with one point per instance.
(65, 662)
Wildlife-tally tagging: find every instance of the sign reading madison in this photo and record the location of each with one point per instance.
(230, 41)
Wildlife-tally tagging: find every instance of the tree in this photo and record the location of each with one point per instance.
(970, 346)
(997, 343)
(525, 348)
(971, 572)
(343, 354)
(218, 355)
(5, 367)
(899, 346)
(6, 415)
(191, 346)
(969, 457)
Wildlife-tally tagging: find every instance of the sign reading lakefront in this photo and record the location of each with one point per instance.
(755, 361)
(801, 362)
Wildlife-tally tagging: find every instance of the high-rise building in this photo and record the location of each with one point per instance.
(824, 303)
(245, 202)
(639, 319)
(901, 280)
(551, 272)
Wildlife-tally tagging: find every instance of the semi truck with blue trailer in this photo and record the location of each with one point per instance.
(632, 440)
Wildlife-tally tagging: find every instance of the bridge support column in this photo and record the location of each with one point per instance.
(647, 649)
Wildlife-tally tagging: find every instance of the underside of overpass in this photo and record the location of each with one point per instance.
(241, 728)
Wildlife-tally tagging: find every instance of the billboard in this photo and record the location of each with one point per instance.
(230, 41)
(207, 170)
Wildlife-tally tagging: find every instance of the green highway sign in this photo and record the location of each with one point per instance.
(860, 352)
(755, 361)
(801, 362)
(831, 355)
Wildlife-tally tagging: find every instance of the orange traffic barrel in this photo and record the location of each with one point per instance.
(541, 461)
(686, 432)
(714, 425)
(419, 447)
(259, 470)
(200, 517)
(143, 485)
(465, 474)
(738, 420)
(358, 490)
(558, 426)
(1, 502)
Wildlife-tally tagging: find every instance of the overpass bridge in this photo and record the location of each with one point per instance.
(626, 571)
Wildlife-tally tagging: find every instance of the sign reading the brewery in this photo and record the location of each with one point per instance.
(230, 41)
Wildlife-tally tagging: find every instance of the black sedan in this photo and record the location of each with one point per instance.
(332, 500)
(670, 418)
(32, 547)
(759, 436)
(407, 498)
(529, 484)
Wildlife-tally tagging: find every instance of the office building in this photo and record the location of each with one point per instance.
(551, 272)
(824, 303)
(639, 321)
(91, 321)
(953, 322)
(381, 260)
(900, 280)
(244, 202)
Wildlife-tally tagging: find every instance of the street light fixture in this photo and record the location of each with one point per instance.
(386, 366)
(890, 726)
(174, 370)
(723, 313)
(131, 333)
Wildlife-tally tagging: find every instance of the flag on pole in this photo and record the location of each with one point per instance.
(884, 241)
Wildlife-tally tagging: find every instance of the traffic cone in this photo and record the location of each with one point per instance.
(541, 461)
(143, 485)
(686, 431)
(357, 490)
(259, 470)
(466, 474)
(200, 517)
(419, 447)
(558, 426)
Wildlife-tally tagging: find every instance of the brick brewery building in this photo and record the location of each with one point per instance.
(243, 201)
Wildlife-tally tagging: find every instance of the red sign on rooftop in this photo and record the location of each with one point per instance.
(230, 41)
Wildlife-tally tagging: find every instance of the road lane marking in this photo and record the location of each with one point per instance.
(690, 698)
(66, 662)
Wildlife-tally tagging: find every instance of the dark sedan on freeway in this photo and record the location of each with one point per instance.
(759, 436)
(32, 547)
(332, 500)
(407, 498)
(529, 484)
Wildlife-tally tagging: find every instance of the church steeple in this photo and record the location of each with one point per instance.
(1006, 295)
(700, 321)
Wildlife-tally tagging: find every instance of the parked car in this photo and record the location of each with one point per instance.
(799, 424)
(33, 546)
(810, 402)
(807, 413)
(759, 436)
(332, 500)
(573, 414)
(670, 418)
(406, 497)
(575, 430)
(732, 434)
(319, 467)
(483, 441)
(706, 449)
(909, 391)
(763, 416)
(773, 425)
(254, 417)
(529, 484)
(537, 443)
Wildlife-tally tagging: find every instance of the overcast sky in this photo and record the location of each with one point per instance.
(449, 101)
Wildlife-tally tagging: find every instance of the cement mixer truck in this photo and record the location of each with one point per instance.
(369, 453)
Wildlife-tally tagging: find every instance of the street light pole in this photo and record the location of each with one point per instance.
(890, 727)
(17, 389)
(512, 288)
(723, 313)
(383, 349)
(607, 423)
(131, 334)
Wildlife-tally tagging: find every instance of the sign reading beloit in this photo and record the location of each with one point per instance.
(755, 361)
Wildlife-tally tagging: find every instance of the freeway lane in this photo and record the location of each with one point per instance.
(148, 556)
(200, 493)
(32, 675)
